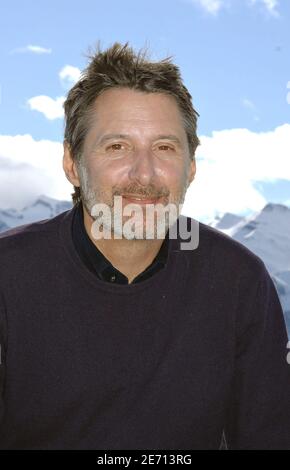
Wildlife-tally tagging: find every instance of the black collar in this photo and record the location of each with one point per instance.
(99, 264)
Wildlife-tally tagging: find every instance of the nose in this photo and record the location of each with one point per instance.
(143, 167)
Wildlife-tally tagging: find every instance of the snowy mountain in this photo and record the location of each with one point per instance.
(267, 234)
(226, 221)
(43, 208)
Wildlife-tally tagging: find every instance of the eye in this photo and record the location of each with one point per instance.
(113, 146)
(166, 147)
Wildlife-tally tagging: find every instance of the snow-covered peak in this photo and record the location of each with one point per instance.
(225, 221)
(267, 233)
(43, 207)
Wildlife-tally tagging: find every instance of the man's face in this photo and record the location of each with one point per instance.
(136, 148)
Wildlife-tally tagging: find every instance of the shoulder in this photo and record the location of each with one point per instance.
(30, 239)
(31, 229)
(221, 252)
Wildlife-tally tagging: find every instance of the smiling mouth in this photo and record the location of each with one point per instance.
(141, 200)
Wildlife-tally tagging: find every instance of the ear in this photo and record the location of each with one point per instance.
(191, 172)
(69, 165)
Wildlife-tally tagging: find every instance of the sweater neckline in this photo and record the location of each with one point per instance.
(169, 272)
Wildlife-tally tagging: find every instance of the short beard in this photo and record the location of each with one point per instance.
(91, 197)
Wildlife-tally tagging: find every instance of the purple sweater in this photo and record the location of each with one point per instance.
(168, 363)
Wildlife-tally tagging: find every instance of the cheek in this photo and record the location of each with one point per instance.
(175, 176)
(106, 176)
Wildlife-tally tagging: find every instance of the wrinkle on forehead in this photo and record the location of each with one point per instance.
(140, 115)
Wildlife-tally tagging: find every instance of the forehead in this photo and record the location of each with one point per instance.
(126, 106)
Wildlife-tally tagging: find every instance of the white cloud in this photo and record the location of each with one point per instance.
(211, 6)
(214, 6)
(270, 5)
(288, 94)
(51, 108)
(31, 48)
(248, 104)
(228, 165)
(29, 168)
(69, 75)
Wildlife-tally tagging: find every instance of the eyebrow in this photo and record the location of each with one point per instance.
(107, 137)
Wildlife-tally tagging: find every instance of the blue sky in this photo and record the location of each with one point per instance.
(234, 59)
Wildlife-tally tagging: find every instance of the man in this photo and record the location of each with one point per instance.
(127, 341)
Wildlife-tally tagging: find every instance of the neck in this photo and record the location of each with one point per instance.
(130, 257)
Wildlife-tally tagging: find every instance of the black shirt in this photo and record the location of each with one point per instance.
(99, 264)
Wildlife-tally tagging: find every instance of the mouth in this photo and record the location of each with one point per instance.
(141, 200)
